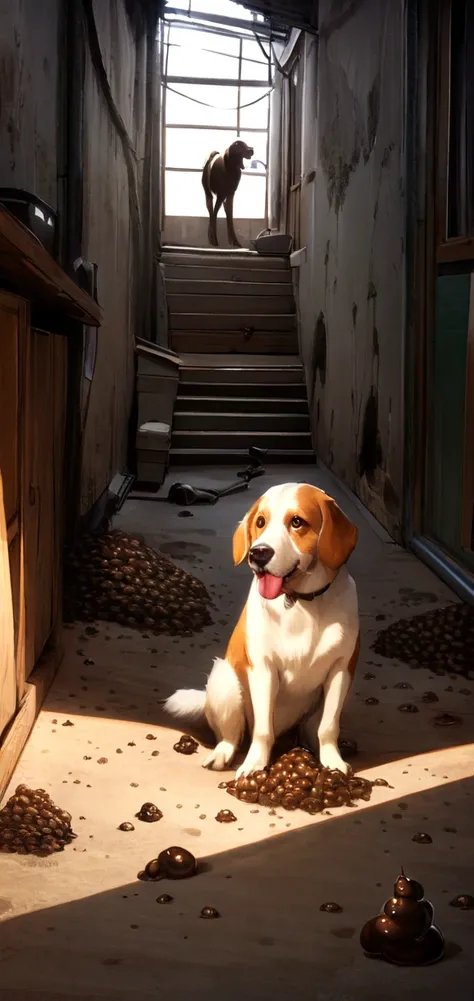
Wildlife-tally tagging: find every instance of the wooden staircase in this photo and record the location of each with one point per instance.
(232, 320)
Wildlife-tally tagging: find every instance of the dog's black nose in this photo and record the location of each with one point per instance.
(261, 555)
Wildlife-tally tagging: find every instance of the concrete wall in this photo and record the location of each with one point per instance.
(351, 287)
(29, 42)
(117, 219)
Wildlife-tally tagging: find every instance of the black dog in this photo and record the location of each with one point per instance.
(221, 177)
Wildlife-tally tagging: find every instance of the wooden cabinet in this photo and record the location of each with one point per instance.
(32, 429)
(8, 688)
(13, 326)
(33, 398)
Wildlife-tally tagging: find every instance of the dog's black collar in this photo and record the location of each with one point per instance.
(291, 599)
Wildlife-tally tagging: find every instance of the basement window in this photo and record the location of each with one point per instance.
(216, 88)
(461, 133)
(455, 127)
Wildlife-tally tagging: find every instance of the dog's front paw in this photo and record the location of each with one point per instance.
(330, 758)
(256, 761)
(220, 757)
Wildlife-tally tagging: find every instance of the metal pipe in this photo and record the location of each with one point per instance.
(75, 78)
(72, 244)
(232, 22)
(218, 82)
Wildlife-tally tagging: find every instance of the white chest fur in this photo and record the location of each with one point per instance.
(304, 641)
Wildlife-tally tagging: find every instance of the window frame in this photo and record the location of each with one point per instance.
(237, 82)
(454, 249)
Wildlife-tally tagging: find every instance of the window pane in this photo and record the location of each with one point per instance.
(184, 195)
(250, 198)
(190, 54)
(255, 116)
(191, 147)
(198, 40)
(254, 71)
(251, 50)
(259, 143)
(182, 111)
(223, 7)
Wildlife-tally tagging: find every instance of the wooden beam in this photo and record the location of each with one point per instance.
(21, 726)
(457, 249)
(36, 276)
(468, 470)
(444, 116)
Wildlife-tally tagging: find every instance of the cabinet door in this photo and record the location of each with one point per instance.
(7, 632)
(45, 401)
(12, 325)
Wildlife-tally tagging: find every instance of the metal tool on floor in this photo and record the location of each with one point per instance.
(186, 495)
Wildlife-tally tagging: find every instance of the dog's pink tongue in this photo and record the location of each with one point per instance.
(269, 586)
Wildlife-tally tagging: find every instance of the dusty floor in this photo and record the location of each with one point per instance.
(80, 925)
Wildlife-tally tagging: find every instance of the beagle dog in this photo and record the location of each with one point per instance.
(297, 636)
(221, 177)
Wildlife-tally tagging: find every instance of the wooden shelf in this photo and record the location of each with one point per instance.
(26, 264)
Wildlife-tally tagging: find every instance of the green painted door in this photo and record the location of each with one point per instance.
(446, 479)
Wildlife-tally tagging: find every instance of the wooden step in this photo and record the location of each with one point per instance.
(233, 273)
(232, 321)
(238, 370)
(199, 420)
(249, 404)
(259, 342)
(197, 359)
(221, 258)
(287, 392)
(184, 457)
(204, 290)
(241, 439)
(266, 305)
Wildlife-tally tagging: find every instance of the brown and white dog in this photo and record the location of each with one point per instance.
(297, 635)
(221, 177)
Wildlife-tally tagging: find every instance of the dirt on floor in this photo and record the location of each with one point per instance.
(81, 925)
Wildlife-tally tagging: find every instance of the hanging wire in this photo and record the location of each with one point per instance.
(284, 73)
(205, 104)
(259, 41)
(216, 52)
(217, 107)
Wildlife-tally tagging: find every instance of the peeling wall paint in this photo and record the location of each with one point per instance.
(110, 240)
(29, 96)
(351, 287)
(33, 131)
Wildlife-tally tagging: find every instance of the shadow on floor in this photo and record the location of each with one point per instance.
(272, 941)
(127, 678)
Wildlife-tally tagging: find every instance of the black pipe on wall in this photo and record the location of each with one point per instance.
(74, 82)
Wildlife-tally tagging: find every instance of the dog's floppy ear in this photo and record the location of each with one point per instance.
(337, 537)
(242, 541)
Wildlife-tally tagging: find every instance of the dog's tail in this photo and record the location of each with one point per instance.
(186, 702)
(206, 172)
